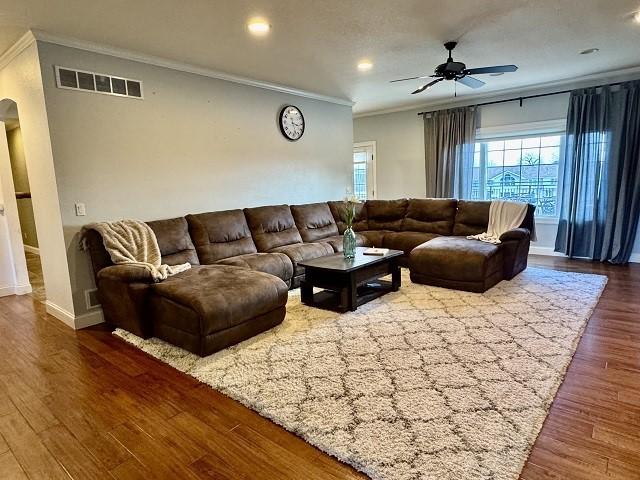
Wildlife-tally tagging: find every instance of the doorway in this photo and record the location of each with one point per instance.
(364, 170)
(20, 217)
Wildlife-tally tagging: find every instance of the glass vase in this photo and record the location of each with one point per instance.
(349, 243)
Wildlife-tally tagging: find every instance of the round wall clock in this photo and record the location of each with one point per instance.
(291, 123)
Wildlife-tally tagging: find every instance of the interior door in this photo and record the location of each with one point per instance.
(364, 170)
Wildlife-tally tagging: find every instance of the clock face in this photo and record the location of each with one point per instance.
(291, 123)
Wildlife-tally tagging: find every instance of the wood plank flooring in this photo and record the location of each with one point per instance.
(86, 405)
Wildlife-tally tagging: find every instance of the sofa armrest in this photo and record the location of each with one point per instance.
(126, 274)
(515, 234)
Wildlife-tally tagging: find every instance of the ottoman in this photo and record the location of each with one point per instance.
(458, 263)
(211, 307)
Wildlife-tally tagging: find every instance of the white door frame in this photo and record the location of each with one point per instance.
(370, 146)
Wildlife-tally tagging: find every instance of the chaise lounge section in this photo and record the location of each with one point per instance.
(244, 262)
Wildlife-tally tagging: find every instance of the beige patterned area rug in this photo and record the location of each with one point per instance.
(425, 383)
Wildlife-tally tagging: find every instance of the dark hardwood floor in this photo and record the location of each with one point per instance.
(86, 405)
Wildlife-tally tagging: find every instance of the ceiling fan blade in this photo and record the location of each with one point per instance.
(405, 79)
(496, 69)
(471, 82)
(427, 86)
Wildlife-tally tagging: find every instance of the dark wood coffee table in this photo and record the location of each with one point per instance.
(347, 284)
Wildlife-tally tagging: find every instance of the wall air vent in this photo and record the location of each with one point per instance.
(73, 79)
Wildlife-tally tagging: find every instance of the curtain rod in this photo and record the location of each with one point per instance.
(527, 97)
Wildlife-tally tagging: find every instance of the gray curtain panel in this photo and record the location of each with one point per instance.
(600, 176)
(449, 142)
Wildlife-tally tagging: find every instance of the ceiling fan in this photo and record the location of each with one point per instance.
(458, 71)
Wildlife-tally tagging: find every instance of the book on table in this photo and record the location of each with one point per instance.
(376, 251)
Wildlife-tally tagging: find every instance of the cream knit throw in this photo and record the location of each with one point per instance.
(503, 216)
(132, 242)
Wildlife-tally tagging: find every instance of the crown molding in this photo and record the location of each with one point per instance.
(46, 37)
(16, 49)
(547, 87)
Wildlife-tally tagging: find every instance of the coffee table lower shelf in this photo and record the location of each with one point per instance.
(338, 300)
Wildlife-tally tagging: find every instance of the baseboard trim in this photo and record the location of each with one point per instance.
(30, 249)
(76, 322)
(6, 291)
(60, 313)
(549, 252)
(15, 290)
(23, 289)
(89, 319)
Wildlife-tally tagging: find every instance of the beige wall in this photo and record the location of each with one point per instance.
(399, 152)
(21, 184)
(193, 144)
(21, 81)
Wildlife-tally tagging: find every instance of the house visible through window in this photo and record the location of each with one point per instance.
(521, 169)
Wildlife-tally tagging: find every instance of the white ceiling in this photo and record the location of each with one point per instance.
(316, 44)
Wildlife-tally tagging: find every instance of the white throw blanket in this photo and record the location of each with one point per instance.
(503, 216)
(132, 242)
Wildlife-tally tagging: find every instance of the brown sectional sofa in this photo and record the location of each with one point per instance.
(244, 261)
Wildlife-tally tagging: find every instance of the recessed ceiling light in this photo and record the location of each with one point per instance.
(258, 26)
(365, 65)
(589, 51)
(636, 17)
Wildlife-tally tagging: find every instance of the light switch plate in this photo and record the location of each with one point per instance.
(81, 210)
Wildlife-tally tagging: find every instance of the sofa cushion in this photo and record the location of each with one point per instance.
(218, 235)
(406, 241)
(217, 297)
(174, 241)
(272, 227)
(430, 215)
(314, 221)
(375, 238)
(277, 264)
(386, 214)
(337, 241)
(304, 251)
(472, 217)
(338, 209)
(456, 258)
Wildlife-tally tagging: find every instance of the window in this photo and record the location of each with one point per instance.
(522, 169)
(364, 170)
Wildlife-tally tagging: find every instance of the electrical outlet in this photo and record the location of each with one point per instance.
(81, 210)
